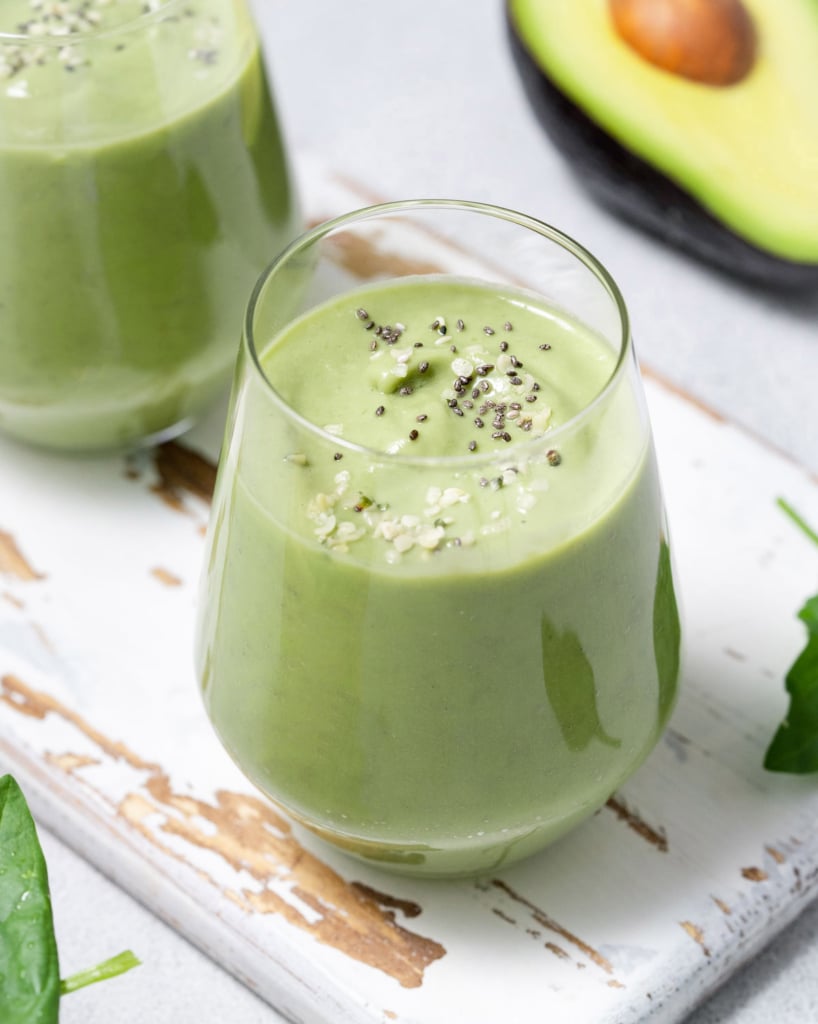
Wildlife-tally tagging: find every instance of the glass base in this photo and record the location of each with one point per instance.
(460, 857)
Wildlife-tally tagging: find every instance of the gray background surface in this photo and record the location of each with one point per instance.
(421, 99)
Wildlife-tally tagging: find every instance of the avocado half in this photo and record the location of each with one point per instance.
(728, 173)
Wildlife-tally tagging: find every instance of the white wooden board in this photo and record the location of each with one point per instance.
(640, 912)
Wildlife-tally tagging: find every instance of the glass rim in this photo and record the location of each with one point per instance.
(535, 444)
(137, 21)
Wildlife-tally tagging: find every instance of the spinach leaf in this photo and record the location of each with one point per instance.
(794, 747)
(30, 986)
(29, 968)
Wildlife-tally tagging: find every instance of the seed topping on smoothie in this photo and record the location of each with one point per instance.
(477, 372)
(509, 379)
(50, 20)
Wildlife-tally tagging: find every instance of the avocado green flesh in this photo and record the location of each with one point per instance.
(748, 152)
(454, 708)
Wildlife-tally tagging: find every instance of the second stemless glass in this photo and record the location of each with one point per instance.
(145, 187)
(445, 713)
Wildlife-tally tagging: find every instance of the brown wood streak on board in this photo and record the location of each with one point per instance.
(408, 907)
(717, 417)
(42, 636)
(776, 855)
(166, 577)
(12, 561)
(367, 195)
(656, 837)
(69, 762)
(723, 907)
(366, 260)
(248, 834)
(36, 704)
(696, 934)
(548, 922)
(557, 950)
(181, 471)
(754, 874)
(675, 389)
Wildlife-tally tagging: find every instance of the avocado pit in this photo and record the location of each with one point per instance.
(708, 41)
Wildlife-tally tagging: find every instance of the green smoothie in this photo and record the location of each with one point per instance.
(439, 623)
(144, 187)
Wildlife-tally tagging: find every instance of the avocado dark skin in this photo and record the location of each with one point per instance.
(640, 194)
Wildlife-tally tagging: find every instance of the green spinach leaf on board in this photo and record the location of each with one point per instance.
(29, 967)
(794, 747)
(30, 986)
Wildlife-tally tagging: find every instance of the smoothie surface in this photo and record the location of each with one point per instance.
(433, 366)
(159, 59)
(470, 384)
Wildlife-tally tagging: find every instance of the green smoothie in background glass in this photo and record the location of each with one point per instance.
(438, 623)
(143, 187)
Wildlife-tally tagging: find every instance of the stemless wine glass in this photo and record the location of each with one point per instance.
(143, 188)
(438, 658)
